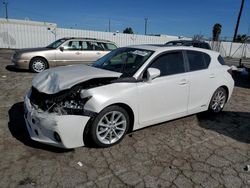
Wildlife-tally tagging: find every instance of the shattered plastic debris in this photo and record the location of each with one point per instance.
(79, 163)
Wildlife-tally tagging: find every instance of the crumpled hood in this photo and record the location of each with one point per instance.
(53, 80)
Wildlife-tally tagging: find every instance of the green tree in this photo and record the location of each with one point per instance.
(128, 30)
(216, 31)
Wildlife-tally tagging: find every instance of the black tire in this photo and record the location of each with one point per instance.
(95, 127)
(38, 64)
(216, 106)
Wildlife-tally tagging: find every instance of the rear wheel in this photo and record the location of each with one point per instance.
(38, 64)
(218, 100)
(109, 127)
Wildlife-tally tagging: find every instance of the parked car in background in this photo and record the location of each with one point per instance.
(128, 89)
(194, 43)
(64, 51)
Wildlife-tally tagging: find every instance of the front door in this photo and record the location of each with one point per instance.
(72, 53)
(165, 97)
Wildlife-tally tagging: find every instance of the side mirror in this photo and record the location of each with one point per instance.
(153, 73)
(61, 48)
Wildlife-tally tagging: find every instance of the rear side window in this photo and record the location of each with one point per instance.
(221, 60)
(109, 46)
(170, 63)
(198, 60)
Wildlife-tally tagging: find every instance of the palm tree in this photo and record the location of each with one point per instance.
(216, 31)
(238, 20)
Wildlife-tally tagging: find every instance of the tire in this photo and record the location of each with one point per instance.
(38, 64)
(218, 101)
(109, 127)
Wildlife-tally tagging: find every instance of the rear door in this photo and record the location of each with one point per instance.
(201, 80)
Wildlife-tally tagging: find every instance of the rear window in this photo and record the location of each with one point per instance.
(198, 60)
(221, 60)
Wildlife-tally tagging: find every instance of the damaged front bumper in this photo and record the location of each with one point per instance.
(65, 131)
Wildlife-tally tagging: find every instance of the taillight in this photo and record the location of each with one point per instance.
(230, 71)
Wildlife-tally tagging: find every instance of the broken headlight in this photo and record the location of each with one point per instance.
(72, 104)
(71, 107)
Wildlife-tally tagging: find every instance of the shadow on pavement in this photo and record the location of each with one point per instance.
(12, 68)
(235, 125)
(18, 130)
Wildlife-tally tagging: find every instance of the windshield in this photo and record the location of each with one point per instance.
(56, 44)
(123, 60)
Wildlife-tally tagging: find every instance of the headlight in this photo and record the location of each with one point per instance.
(72, 104)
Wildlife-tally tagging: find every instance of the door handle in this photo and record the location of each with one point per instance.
(98, 53)
(183, 82)
(212, 75)
(78, 53)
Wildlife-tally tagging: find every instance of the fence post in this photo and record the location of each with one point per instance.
(230, 49)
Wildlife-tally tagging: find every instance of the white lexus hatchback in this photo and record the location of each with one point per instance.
(128, 89)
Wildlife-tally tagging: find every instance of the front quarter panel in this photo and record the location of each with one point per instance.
(125, 93)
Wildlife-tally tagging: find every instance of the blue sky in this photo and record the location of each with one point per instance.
(178, 17)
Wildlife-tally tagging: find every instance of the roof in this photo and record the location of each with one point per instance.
(95, 39)
(162, 48)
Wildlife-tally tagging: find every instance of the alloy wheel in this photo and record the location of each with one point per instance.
(111, 127)
(218, 101)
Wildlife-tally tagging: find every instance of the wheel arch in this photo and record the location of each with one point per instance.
(227, 91)
(130, 113)
(41, 58)
(126, 107)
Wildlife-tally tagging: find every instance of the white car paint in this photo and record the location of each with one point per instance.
(53, 80)
(46, 124)
(155, 101)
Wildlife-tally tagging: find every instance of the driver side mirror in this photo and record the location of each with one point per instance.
(61, 48)
(152, 73)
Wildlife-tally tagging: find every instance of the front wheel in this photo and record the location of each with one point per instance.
(110, 126)
(218, 100)
(38, 65)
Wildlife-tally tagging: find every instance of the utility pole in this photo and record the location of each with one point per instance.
(109, 26)
(238, 20)
(6, 9)
(146, 25)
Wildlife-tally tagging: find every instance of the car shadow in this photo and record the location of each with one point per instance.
(12, 68)
(18, 130)
(235, 125)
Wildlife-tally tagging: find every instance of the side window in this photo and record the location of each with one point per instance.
(73, 45)
(109, 46)
(94, 46)
(207, 59)
(197, 60)
(221, 60)
(85, 45)
(170, 63)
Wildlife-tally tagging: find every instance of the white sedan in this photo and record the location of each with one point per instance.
(128, 89)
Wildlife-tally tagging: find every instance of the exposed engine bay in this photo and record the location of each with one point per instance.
(69, 101)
